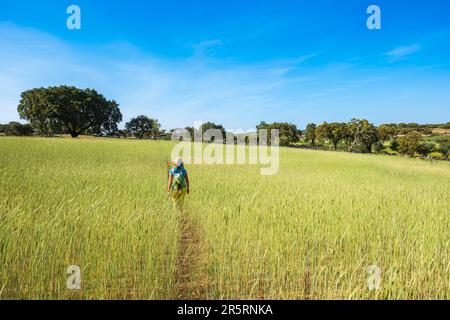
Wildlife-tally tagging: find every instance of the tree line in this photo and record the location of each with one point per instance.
(359, 135)
(69, 110)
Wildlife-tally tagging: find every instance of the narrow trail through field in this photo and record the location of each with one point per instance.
(191, 272)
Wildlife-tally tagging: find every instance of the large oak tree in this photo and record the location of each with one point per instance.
(334, 132)
(362, 132)
(69, 109)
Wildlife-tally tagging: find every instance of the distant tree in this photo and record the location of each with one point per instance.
(362, 132)
(18, 129)
(334, 132)
(393, 144)
(164, 135)
(405, 128)
(191, 131)
(208, 126)
(2, 128)
(323, 132)
(408, 143)
(426, 131)
(424, 149)
(310, 134)
(263, 126)
(288, 132)
(444, 148)
(143, 127)
(69, 109)
(387, 132)
(378, 147)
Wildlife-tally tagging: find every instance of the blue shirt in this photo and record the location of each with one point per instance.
(178, 170)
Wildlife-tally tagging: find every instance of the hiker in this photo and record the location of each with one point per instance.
(178, 184)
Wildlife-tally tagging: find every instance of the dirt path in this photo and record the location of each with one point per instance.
(191, 272)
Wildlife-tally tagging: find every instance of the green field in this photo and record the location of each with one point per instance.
(309, 232)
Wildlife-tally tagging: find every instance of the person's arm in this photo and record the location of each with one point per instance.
(188, 184)
(169, 184)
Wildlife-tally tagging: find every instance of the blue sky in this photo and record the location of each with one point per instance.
(235, 62)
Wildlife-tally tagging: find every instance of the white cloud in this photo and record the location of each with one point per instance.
(206, 47)
(404, 51)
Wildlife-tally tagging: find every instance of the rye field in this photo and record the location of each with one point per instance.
(309, 232)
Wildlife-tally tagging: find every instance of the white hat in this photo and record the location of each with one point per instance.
(178, 162)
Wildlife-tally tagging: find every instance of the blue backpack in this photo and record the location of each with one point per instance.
(179, 178)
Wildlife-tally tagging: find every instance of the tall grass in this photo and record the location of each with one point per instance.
(96, 204)
(312, 230)
(309, 232)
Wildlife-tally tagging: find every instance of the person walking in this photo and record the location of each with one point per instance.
(178, 185)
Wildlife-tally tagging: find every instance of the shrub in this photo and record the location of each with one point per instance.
(377, 147)
(424, 148)
(437, 155)
(409, 143)
(444, 148)
(390, 152)
(18, 129)
(393, 144)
